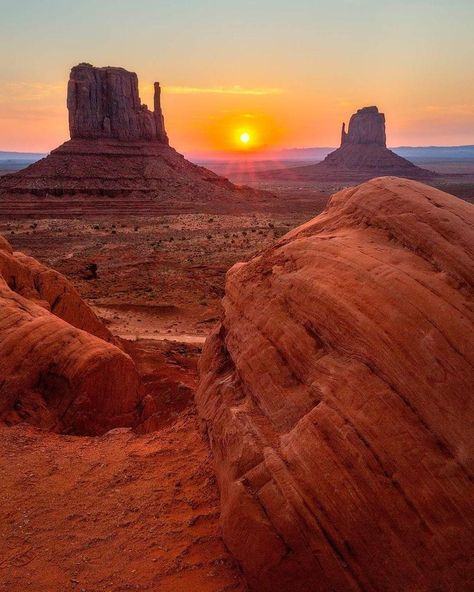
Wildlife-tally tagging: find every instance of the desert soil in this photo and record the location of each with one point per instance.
(124, 511)
(115, 513)
(157, 277)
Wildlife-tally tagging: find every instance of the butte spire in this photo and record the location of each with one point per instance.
(118, 155)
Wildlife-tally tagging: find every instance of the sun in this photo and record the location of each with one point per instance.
(244, 137)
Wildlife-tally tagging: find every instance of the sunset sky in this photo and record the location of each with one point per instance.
(288, 71)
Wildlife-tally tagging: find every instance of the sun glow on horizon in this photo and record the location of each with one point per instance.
(238, 133)
(245, 137)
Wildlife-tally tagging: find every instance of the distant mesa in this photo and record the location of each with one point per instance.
(118, 151)
(364, 147)
(367, 126)
(363, 154)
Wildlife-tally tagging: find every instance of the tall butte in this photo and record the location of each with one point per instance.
(362, 155)
(104, 103)
(118, 157)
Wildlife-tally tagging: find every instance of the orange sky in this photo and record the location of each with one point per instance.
(287, 74)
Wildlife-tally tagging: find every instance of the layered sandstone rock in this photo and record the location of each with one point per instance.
(337, 395)
(56, 370)
(367, 126)
(118, 153)
(48, 288)
(104, 103)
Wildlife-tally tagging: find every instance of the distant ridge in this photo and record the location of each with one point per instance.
(30, 156)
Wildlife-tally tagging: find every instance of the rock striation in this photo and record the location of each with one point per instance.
(337, 396)
(57, 371)
(48, 288)
(118, 153)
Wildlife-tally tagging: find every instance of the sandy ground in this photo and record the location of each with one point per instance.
(115, 513)
(124, 511)
(130, 511)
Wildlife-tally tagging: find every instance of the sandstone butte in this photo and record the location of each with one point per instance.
(118, 157)
(58, 369)
(362, 155)
(337, 396)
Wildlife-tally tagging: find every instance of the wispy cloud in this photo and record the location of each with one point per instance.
(31, 101)
(29, 91)
(220, 90)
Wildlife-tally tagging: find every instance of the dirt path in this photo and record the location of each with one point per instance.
(178, 338)
(117, 513)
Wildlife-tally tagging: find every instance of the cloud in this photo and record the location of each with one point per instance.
(220, 90)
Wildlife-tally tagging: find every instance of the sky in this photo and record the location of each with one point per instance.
(286, 72)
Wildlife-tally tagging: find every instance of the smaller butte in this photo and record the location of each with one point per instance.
(362, 155)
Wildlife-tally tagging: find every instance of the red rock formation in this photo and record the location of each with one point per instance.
(367, 126)
(118, 149)
(363, 154)
(337, 395)
(48, 288)
(55, 371)
(104, 103)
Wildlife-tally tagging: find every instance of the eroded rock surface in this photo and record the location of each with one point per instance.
(104, 103)
(337, 396)
(48, 288)
(367, 126)
(56, 369)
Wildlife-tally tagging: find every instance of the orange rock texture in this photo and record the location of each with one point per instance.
(56, 370)
(337, 396)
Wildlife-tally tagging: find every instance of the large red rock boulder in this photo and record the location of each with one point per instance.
(338, 398)
(56, 370)
(48, 288)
